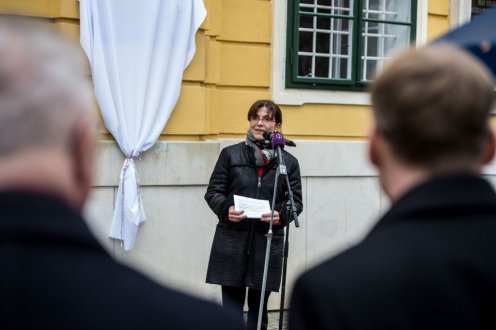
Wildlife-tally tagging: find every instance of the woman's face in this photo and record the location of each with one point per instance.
(263, 122)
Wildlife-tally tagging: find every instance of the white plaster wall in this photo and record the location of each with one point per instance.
(342, 200)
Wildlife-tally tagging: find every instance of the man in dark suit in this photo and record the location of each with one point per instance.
(430, 262)
(54, 274)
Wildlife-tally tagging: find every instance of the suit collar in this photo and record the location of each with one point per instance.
(450, 195)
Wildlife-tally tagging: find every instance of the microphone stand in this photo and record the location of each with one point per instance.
(294, 216)
(281, 170)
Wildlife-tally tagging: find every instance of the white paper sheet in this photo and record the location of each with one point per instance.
(253, 208)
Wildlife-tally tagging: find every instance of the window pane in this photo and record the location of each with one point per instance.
(305, 66)
(324, 23)
(372, 48)
(324, 2)
(306, 21)
(340, 68)
(379, 40)
(370, 66)
(341, 44)
(322, 67)
(306, 42)
(388, 10)
(306, 9)
(323, 43)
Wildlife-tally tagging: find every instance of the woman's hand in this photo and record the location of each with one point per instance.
(235, 216)
(266, 218)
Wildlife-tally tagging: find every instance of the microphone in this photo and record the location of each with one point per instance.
(278, 139)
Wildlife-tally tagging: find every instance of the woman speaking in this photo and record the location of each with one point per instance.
(248, 169)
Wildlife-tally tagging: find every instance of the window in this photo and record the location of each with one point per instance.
(340, 44)
(478, 6)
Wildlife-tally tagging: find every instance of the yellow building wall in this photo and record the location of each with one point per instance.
(230, 70)
(438, 19)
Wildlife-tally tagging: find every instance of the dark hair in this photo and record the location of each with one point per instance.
(432, 105)
(274, 110)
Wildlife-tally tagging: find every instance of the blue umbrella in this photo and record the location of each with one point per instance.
(478, 37)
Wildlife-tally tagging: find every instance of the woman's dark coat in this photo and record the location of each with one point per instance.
(238, 250)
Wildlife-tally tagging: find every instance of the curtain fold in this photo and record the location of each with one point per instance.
(138, 51)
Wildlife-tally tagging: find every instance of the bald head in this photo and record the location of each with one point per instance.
(46, 127)
(43, 91)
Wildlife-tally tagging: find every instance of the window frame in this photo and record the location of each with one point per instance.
(355, 84)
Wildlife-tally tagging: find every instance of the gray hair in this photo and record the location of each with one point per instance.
(43, 90)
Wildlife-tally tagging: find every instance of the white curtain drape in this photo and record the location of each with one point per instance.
(138, 51)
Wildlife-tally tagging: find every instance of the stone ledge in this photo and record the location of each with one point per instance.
(166, 163)
(191, 163)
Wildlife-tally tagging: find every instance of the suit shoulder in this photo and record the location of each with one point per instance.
(364, 265)
(159, 304)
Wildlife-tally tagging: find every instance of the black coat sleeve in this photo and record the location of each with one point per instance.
(294, 178)
(217, 191)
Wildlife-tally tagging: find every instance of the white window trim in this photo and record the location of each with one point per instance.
(460, 12)
(293, 96)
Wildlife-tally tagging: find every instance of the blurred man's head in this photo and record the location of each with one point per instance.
(431, 109)
(45, 112)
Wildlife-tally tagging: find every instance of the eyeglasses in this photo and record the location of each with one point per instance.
(265, 120)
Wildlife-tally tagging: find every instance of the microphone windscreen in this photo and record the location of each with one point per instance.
(277, 140)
